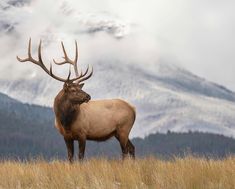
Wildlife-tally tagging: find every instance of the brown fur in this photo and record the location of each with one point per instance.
(65, 112)
(78, 118)
(103, 138)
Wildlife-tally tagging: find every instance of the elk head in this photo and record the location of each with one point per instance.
(74, 94)
(72, 89)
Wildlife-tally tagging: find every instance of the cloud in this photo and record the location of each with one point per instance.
(198, 35)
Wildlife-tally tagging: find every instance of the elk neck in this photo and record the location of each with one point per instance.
(65, 111)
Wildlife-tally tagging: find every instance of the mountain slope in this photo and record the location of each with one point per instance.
(26, 131)
(166, 97)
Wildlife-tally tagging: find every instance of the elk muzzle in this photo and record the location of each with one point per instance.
(88, 98)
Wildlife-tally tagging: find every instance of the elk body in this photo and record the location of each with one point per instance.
(77, 117)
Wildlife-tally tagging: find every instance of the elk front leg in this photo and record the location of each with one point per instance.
(70, 148)
(82, 146)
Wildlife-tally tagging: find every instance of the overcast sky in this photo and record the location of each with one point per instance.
(195, 34)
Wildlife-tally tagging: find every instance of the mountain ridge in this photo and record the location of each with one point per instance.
(167, 97)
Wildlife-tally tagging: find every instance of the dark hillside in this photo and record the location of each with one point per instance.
(28, 131)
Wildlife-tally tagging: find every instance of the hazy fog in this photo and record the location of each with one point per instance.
(198, 35)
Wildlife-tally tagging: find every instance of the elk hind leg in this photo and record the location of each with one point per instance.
(123, 143)
(131, 149)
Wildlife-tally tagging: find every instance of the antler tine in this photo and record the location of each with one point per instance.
(82, 78)
(76, 51)
(76, 60)
(59, 78)
(29, 55)
(69, 72)
(83, 74)
(40, 63)
(68, 60)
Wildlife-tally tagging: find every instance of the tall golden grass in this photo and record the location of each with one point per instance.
(179, 173)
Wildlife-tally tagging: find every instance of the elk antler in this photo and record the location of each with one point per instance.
(82, 76)
(40, 63)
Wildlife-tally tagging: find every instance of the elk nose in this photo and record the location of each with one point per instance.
(88, 97)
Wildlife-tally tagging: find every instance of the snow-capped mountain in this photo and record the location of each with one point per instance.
(128, 55)
(166, 98)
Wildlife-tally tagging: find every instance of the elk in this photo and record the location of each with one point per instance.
(77, 117)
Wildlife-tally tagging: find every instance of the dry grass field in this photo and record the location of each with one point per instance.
(180, 173)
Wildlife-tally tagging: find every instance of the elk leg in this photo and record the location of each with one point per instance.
(124, 149)
(82, 146)
(70, 148)
(131, 149)
(123, 143)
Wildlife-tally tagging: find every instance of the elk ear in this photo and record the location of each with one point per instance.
(81, 85)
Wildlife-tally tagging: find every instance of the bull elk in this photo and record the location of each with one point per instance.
(79, 118)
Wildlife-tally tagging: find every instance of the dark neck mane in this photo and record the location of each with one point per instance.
(65, 111)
